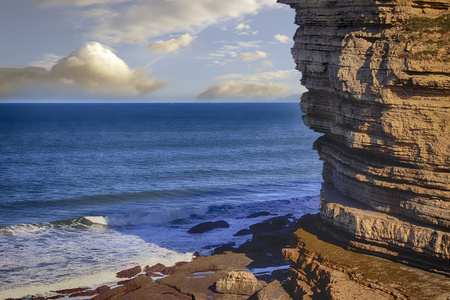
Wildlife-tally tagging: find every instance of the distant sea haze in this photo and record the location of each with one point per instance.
(90, 188)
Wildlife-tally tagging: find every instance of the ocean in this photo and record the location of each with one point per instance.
(89, 189)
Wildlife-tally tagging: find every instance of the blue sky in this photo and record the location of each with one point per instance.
(147, 50)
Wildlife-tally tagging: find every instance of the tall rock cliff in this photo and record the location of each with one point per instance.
(378, 80)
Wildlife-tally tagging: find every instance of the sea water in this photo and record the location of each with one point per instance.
(89, 189)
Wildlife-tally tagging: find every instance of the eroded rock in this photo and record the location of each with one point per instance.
(239, 283)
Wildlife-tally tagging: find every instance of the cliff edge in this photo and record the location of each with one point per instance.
(378, 80)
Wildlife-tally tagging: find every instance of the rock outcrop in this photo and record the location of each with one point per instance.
(379, 90)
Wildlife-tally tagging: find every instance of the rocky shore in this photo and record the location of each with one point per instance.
(254, 270)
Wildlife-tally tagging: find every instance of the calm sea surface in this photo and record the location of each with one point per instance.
(88, 189)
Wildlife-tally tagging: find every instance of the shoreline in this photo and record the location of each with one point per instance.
(261, 253)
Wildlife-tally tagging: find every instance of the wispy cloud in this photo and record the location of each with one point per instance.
(252, 56)
(48, 61)
(138, 21)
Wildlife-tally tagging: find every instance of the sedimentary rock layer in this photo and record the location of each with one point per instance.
(379, 90)
(323, 269)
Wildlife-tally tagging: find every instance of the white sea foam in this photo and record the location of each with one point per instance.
(97, 220)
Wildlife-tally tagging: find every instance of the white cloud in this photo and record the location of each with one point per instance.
(93, 68)
(152, 18)
(242, 27)
(245, 90)
(171, 45)
(283, 38)
(252, 56)
(97, 68)
(264, 76)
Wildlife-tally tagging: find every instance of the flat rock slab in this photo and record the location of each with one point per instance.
(197, 278)
(142, 288)
(348, 273)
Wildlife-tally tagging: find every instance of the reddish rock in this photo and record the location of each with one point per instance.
(142, 288)
(171, 270)
(151, 274)
(71, 291)
(155, 268)
(129, 273)
(124, 281)
(83, 294)
(55, 297)
(102, 289)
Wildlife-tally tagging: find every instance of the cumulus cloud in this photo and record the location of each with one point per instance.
(171, 45)
(93, 68)
(283, 38)
(245, 90)
(96, 67)
(252, 56)
(143, 20)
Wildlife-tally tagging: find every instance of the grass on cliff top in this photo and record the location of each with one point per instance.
(429, 25)
(429, 38)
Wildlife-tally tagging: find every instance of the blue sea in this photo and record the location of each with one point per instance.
(89, 189)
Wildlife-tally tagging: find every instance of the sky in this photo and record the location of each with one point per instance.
(147, 51)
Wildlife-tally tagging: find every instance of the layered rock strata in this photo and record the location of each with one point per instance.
(378, 81)
(323, 269)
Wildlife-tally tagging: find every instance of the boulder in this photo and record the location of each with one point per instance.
(240, 283)
(259, 214)
(129, 273)
(102, 289)
(207, 226)
(223, 248)
(273, 290)
(243, 232)
(155, 268)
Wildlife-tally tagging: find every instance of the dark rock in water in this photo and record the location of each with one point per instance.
(259, 214)
(271, 224)
(265, 240)
(223, 248)
(129, 273)
(207, 226)
(243, 232)
(155, 268)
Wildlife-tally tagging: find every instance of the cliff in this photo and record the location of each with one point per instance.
(378, 80)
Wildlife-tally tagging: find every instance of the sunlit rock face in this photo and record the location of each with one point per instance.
(378, 75)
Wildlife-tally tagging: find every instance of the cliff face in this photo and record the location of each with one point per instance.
(378, 78)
